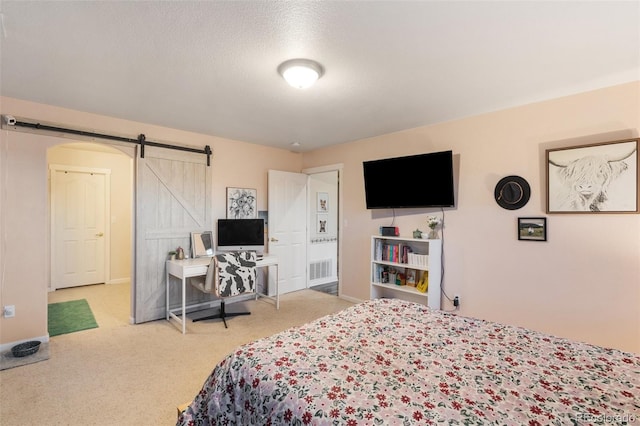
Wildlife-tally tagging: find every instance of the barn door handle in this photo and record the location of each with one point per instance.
(273, 240)
(99, 234)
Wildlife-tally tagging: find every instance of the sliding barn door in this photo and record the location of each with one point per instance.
(173, 199)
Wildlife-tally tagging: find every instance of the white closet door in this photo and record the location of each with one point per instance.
(173, 199)
(79, 199)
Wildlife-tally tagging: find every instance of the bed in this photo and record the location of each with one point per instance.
(391, 362)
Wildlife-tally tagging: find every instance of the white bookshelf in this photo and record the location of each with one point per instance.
(429, 259)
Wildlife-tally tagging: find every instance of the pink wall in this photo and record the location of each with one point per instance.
(23, 256)
(584, 283)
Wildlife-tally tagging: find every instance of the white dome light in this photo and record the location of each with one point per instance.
(300, 73)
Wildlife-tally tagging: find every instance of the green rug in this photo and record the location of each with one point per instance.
(67, 317)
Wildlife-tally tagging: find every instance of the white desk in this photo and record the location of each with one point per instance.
(186, 268)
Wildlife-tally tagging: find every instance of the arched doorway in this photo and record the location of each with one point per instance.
(78, 166)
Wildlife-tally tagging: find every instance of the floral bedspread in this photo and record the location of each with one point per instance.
(390, 362)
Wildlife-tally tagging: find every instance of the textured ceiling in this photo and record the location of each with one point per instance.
(210, 67)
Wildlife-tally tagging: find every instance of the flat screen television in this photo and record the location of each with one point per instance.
(423, 180)
(240, 235)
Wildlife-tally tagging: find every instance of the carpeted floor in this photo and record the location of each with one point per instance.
(121, 374)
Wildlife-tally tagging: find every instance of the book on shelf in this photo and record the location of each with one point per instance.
(389, 252)
(377, 250)
(392, 252)
(423, 285)
(377, 274)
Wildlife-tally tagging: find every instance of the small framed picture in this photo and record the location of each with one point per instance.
(321, 223)
(323, 201)
(411, 277)
(201, 244)
(532, 228)
(241, 203)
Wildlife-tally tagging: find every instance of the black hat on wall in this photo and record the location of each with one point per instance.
(512, 192)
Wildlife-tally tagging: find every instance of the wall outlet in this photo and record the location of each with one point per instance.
(456, 301)
(9, 311)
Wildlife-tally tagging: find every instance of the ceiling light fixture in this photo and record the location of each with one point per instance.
(300, 73)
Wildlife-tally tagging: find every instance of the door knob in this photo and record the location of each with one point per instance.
(274, 240)
(99, 234)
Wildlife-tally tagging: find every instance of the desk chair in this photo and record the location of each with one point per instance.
(229, 274)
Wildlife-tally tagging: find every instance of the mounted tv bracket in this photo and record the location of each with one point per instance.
(9, 120)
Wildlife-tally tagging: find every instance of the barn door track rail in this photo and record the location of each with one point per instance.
(141, 140)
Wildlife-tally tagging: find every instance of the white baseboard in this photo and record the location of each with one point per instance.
(7, 346)
(114, 281)
(350, 299)
(321, 281)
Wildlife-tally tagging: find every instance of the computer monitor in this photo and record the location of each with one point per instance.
(240, 235)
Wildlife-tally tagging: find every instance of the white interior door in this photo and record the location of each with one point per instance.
(79, 199)
(173, 199)
(287, 231)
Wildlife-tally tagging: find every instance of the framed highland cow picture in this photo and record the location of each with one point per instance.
(596, 178)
